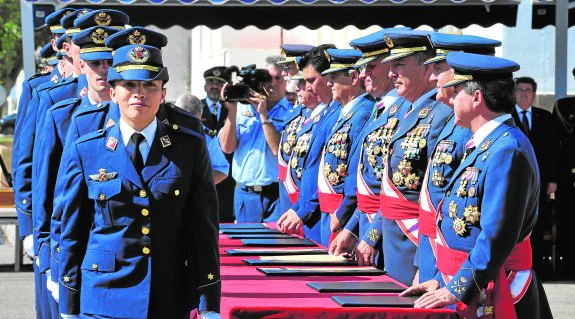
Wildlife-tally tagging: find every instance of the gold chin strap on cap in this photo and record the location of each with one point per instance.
(95, 49)
(137, 67)
(378, 52)
(341, 66)
(408, 50)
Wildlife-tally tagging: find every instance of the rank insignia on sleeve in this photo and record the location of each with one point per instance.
(165, 141)
(111, 143)
(84, 91)
(103, 176)
(373, 235)
(110, 123)
(393, 110)
(423, 113)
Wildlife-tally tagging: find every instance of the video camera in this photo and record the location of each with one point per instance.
(251, 78)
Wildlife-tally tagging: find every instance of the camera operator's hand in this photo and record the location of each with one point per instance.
(260, 102)
(230, 105)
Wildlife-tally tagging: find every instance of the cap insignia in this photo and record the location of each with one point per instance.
(99, 36)
(217, 73)
(388, 41)
(139, 55)
(103, 19)
(137, 38)
(327, 56)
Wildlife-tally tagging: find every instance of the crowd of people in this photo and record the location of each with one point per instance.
(413, 151)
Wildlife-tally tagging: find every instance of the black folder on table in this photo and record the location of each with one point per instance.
(322, 271)
(356, 286)
(260, 262)
(244, 226)
(375, 301)
(280, 242)
(275, 252)
(259, 236)
(250, 231)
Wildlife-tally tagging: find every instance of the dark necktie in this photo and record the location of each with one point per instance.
(524, 123)
(136, 156)
(215, 112)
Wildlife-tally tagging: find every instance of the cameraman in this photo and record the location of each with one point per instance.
(251, 132)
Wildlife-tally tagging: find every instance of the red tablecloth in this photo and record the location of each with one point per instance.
(248, 293)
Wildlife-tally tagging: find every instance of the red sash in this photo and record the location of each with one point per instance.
(282, 168)
(449, 262)
(427, 224)
(293, 197)
(398, 208)
(367, 203)
(328, 203)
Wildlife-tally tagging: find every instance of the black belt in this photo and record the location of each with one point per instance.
(259, 189)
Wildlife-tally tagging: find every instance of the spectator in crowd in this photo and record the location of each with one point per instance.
(251, 132)
(220, 166)
(213, 118)
(541, 129)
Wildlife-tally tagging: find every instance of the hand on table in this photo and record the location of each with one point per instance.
(344, 242)
(365, 254)
(290, 223)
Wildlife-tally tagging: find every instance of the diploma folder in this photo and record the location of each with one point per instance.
(278, 242)
(356, 286)
(259, 236)
(275, 252)
(250, 231)
(321, 271)
(244, 226)
(375, 301)
(300, 260)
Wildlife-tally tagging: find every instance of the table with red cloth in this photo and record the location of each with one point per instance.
(248, 293)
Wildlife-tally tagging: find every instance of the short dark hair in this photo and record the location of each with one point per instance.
(498, 94)
(424, 56)
(528, 80)
(316, 58)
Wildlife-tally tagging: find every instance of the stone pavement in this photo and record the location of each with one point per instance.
(17, 290)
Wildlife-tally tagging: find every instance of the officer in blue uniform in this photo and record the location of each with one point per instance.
(96, 58)
(409, 149)
(374, 136)
(89, 118)
(48, 54)
(484, 252)
(450, 146)
(292, 124)
(139, 228)
(304, 214)
(334, 166)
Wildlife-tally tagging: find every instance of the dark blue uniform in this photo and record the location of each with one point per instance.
(130, 245)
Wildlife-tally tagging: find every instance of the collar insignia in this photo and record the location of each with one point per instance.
(111, 143)
(485, 145)
(423, 113)
(110, 123)
(165, 141)
(84, 91)
(393, 110)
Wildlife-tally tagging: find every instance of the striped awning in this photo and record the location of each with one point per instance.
(310, 13)
(544, 13)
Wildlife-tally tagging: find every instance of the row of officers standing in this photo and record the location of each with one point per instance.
(113, 188)
(403, 152)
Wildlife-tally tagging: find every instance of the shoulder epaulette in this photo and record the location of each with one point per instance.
(91, 136)
(183, 130)
(66, 102)
(100, 107)
(37, 75)
(63, 83)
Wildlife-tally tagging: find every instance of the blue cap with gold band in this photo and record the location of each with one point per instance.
(444, 43)
(341, 59)
(137, 35)
(372, 46)
(53, 20)
(478, 67)
(91, 42)
(138, 62)
(67, 22)
(47, 52)
(291, 51)
(299, 75)
(59, 45)
(406, 43)
(102, 18)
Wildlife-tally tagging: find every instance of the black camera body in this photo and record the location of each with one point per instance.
(251, 78)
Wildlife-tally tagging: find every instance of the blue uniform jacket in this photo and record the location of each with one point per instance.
(23, 164)
(307, 205)
(291, 126)
(149, 241)
(370, 149)
(445, 159)
(425, 120)
(346, 130)
(89, 119)
(501, 212)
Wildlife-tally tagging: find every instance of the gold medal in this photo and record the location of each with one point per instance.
(459, 226)
(471, 191)
(448, 159)
(377, 150)
(452, 209)
(422, 143)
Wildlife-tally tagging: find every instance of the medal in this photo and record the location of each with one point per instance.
(452, 209)
(459, 226)
(471, 191)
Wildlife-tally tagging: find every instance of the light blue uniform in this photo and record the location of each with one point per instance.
(217, 157)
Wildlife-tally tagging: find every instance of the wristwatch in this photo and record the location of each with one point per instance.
(267, 121)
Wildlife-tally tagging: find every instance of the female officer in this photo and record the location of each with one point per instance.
(139, 228)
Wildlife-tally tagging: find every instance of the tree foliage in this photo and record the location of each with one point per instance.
(10, 42)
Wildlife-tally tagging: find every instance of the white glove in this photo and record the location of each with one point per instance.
(65, 316)
(56, 293)
(29, 245)
(49, 282)
(208, 315)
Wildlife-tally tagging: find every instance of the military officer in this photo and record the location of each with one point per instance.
(291, 52)
(334, 167)
(374, 137)
(96, 58)
(304, 215)
(450, 147)
(90, 118)
(484, 252)
(292, 124)
(415, 138)
(120, 183)
(49, 58)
